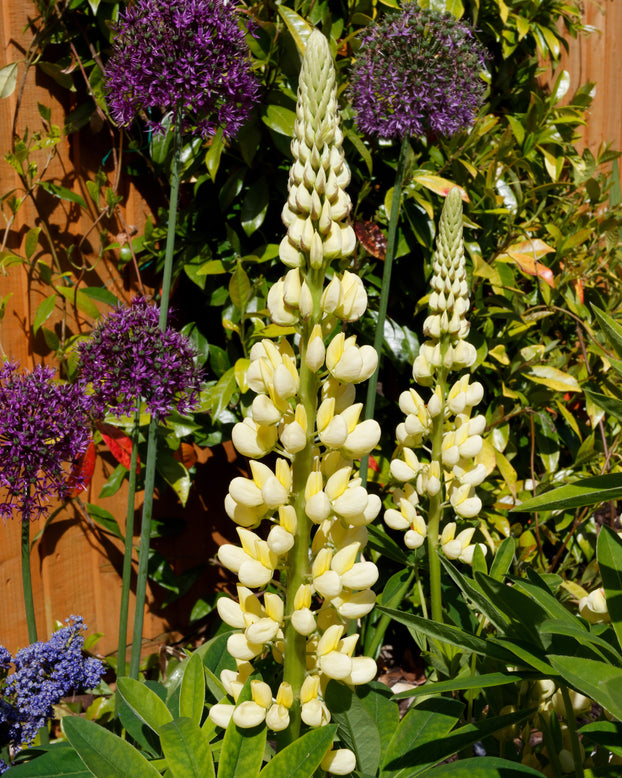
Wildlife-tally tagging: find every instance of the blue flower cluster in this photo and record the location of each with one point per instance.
(44, 674)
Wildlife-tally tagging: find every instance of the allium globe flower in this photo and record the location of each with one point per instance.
(417, 73)
(185, 56)
(44, 427)
(128, 358)
(45, 672)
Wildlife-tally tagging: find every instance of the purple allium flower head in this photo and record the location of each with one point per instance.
(44, 427)
(417, 72)
(128, 358)
(44, 674)
(187, 56)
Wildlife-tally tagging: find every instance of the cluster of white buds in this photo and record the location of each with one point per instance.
(445, 426)
(305, 411)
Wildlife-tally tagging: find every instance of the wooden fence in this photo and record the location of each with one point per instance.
(75, 565)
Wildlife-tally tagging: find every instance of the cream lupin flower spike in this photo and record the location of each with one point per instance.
(305, 402)
(447, 476)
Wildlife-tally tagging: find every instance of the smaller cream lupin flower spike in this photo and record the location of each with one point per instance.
(446, 434)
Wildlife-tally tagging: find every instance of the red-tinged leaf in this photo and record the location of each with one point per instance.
(186, 455)
(527, 256)
(373, 464)
(439, 185)
(119, 444)
(372, 238)
(81, 473)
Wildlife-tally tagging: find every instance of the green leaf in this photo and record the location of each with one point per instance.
(553, 378)
(597, 680)
(610, 405)
(104, 753)
(448, 634)
(423, 756)
(214, 153)
(113, 484)
(101, 295)
(357, 729)
(255, 206)
(482, 767)
(611, 328)
(174, 473)
(609, 555)
(423, 725)
(588, 491)
(187, 749)
(222, 393)
(298, 27)
(80, 300)
(145, 703)
(377, 700)
(32, 241)
(44, 311)
(239, 287)
(216, 658)
(473, 590)
(192, 691)
(301, 758)
(105, 519)
(526, 613)
(242, 751)
(604, 733)
(62, 193)
(61, 761)
(503, 559)
(279, 118)
(486, 681)
(8, 79)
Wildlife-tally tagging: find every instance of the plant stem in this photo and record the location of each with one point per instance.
(298, 568)
(29, 604)
(396, 197)
(152, 439)
(577, 756)
(435, 511)
(127, 553)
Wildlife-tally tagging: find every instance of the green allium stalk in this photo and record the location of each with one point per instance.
(443, 427)
(305, 411)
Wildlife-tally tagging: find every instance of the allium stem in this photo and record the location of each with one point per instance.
(370, 403)
(127, 554)
(152, 440)
(29, 605)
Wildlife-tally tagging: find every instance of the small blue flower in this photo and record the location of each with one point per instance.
(45, 672)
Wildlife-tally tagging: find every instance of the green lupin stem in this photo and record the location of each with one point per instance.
(385, 289)
(298, 565)
(127, 554)
(150, 465)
